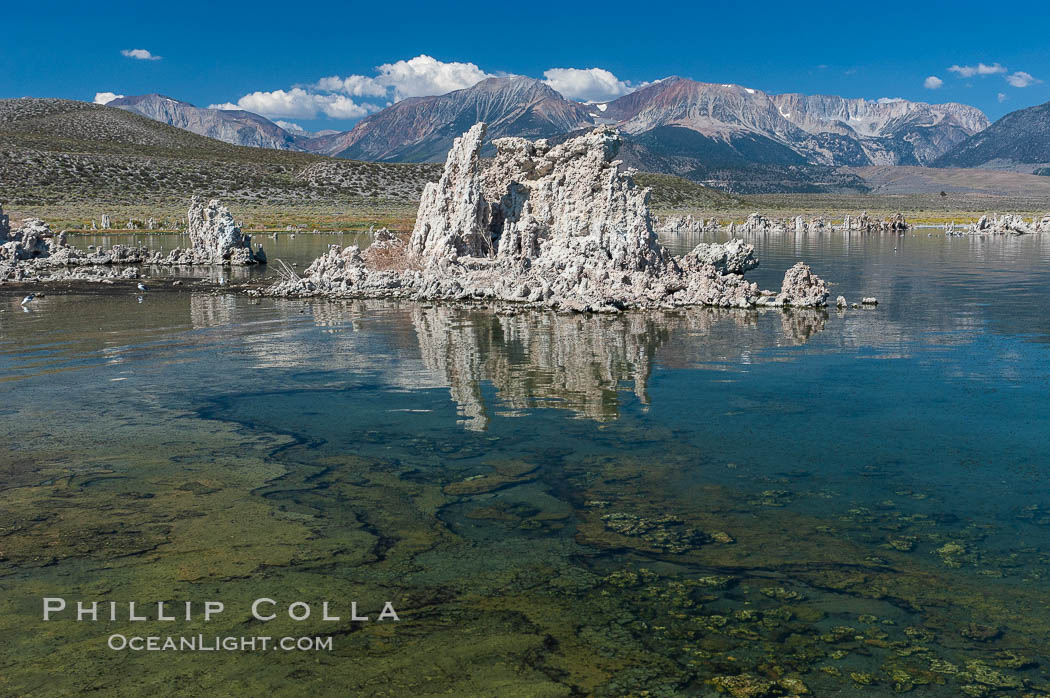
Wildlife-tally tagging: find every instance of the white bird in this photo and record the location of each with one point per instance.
(222, 280)
(140, 299)
(29, 298)
(142, 287)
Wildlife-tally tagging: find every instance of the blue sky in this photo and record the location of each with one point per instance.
(274, 58)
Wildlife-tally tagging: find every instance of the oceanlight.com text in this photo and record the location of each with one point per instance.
(216, 643)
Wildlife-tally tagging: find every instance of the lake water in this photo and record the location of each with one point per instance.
(680, 502)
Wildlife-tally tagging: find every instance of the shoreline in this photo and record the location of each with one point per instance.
(119, 286)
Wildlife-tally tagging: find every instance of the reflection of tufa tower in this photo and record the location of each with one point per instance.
(572, 362)
(581, 362)
(530, 360)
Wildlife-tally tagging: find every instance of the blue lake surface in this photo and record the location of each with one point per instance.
(687, 503)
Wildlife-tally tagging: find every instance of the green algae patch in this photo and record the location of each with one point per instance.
(505, 474)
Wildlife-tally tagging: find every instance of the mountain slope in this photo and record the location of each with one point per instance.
(1019, 141)
(823, 130)
(889, 132)
(237, 127)
(62, 151)
(422, 129)
(670, 192)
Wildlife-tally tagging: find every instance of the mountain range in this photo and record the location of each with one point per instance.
(1018, 142)
(730, 136)
(237, 127)
(729, 124)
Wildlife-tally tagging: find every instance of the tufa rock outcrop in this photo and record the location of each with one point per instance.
(679, 225)
(733, 257)
(554, 226)
(33, 240)
(758, 223)
(1008, 224)
(801, 288)
(866, 224)
(34, 253)
(453, 215)
(214, 239)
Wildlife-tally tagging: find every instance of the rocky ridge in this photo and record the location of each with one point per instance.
(234, 126)
(1018, 142)
(551, 226)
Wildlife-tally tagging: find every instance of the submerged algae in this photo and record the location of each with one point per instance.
(569, 576)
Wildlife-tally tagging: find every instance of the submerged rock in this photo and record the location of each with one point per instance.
(555, 226)
(751, 686)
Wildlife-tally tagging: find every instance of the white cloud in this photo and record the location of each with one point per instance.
(417, 77)
(106, 97)
(353, 85)
(291, 127)
(1021, 79)
(297, 103)
(354, 96)
(932, 83)
(423, 75)
(139, 54)
(1016, 79)
(333, 95)
(889, 100)
(968, 71)
(1001, 97)
(341, 107)
(588, 84)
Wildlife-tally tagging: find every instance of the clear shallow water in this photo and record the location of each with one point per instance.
(554, 504)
